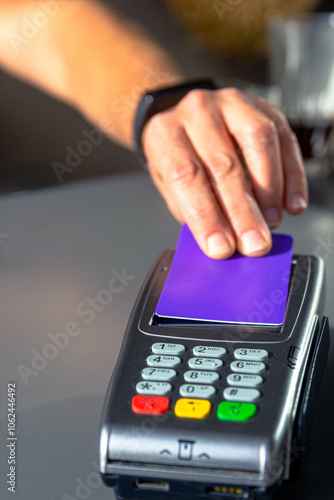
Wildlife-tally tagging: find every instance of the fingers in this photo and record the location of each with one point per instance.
(170, 202)
(258, 139)
(213, 145)
(295, 183)
(182, 178)
(193, 160)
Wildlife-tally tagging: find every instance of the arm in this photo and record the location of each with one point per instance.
(85, 54)
(100, 63)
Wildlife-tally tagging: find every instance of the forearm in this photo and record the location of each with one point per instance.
(86, 55)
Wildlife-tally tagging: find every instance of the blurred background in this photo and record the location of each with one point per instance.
(226, 40)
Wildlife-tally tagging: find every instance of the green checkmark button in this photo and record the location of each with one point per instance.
(231, 410)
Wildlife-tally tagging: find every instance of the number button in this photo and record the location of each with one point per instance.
(163, 361)
(158, 373)
(214, 352)
(244, 395)
(248, 366)
(205, 363)
(164, 348)
(153, 388)
(251, 354)
(244, 380)
(197, 391)
(201, 377)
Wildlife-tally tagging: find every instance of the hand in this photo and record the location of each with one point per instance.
(227, 165)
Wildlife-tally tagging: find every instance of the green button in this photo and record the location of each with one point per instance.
(230, 410)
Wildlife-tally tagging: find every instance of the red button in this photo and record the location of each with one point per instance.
(150, 405)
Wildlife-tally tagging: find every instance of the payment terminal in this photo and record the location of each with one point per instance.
(215, 386)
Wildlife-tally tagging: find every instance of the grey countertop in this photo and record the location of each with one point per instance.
(58, 247)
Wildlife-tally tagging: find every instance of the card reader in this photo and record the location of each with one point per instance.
(208, 404)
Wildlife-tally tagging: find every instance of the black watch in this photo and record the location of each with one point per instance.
(160, 100)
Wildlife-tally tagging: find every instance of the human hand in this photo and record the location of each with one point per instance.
(193, 152)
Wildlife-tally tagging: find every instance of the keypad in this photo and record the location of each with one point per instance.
(197, 375)
(158, 373)
(164, 348)
(212, 352)
(248, 366)
(166, 361)
(192, 408)
(251, 354)
(241, 394)
(155, 388)
(237, 412)
(244, 380)
(197, 391)
(150, 405)
(205, 363)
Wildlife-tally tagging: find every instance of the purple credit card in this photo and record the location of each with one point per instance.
(238, 290)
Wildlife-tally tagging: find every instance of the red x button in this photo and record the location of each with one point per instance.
(150, 405)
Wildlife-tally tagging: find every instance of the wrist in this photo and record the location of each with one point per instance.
(158, 100)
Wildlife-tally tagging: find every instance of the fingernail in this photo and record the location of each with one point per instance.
(218, 244)
(298, 203)
(272, 217)
(252, 241)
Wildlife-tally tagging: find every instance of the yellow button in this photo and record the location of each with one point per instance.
(192, 408)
